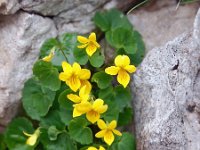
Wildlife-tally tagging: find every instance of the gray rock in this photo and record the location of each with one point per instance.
(161, 22)
(166, 100)
(9, 6)
(78, 18)
(21, 35)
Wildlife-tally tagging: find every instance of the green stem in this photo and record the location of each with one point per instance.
(138, 5)
(64, 54)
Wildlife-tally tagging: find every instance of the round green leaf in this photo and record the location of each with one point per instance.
(53, 133)
(79, 131)
(47, 74)
(137, 58)
(102, 79)
(52, 119)
(96, 60)
(2, 144)
(63, 142)
(80, 56)
(14, 136)
(127, 142)
(66, 107)
(122, 97)
(68, 42)
(125, 117)
(101, 21)
(37, 99)
(47, 46)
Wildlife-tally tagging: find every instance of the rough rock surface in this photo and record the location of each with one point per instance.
(159, 26)
(21, 35)
(167, 97)
(9, 6)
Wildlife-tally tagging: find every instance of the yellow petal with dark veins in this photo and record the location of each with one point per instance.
(112, 70)
(123, 78)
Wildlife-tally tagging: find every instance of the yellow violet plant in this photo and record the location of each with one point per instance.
(77, 99)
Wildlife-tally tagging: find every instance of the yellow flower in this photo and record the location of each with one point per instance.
(94, 148)
(74, 76)
(90, 43)
(107, 131)
(82, 97)
(92, 109)
(122, 66)
(32, 137)
(50, 56)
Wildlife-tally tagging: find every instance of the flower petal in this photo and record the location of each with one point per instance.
(84, 94)
(101, 148)
(109, 137)
(122, 61)
(63, 76)
(74, 83)
(117, 132)
(92, 148)
(123, 78)
(82, 46)
(87, 84)
(27, 134)
(84, 74)
(74, 98)
(96, 44)
(76, 113)
(99, 107)
(82, 39)
(91, 49)
(32, 140)
(130, 68)
(112, 125)
(83, 107)
(66, 67)
(76, 68)
(100, 134)
(101, 124)
(92, 116)
(92, 37)
(112, 70)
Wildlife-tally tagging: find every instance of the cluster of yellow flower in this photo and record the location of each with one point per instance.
(77, 80)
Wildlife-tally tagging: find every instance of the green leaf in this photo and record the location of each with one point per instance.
(47, 46)
(36, 99)
(137, 58)
(66, 107)
(79, 131)
(68, 43)
(122, 97)
(109, 20)
(80, 56)
(53, 133)
(47, 74)
(96, 60)
(14, 136)
(122, 38)
(63, 142)
(102, 79)
(2, 144)
(107, 93)
(126, 142)
(125, 117)
(101, 21)
(52, 119)
(113, 111)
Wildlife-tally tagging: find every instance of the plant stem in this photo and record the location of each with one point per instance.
(138, 5)
(64, 54)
